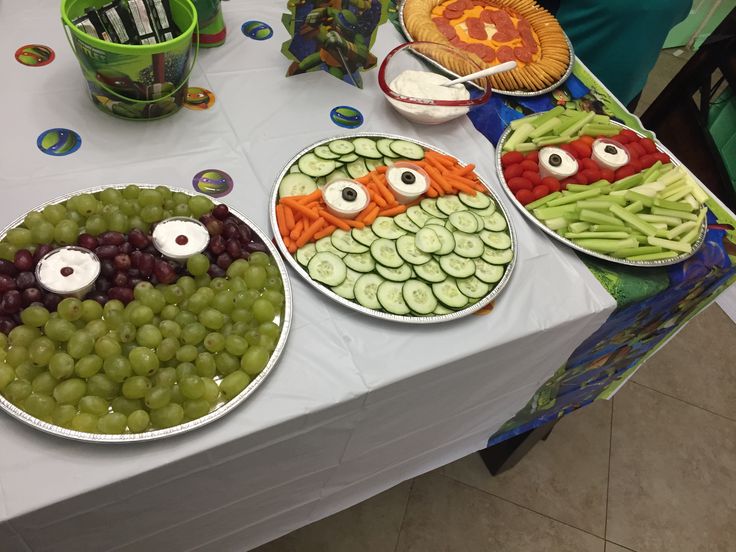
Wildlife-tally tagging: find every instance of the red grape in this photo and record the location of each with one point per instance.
(7, 324)
(126, 248)
(23, 260)
(120, 280)
(221, 211)
(230, 231)
(245, 234)
(224, 260)
(111, 238)
(88, 241)
(7, 268)
(41, 251)
(121, 294)
(122, 262)
(6, 283)
(106, 251)
(214, 227)
(24, 280)
(51, 301)
(165, 273)
(107, 269)
(233, 248)
(11, 302)
(215, 271)
(146, 264)
(138, 239)
(217, 245)
(31, 295)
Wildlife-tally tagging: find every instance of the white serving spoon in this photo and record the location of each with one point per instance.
(500, 68)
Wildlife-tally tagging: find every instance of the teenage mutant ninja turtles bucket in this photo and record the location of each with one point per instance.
(135, 81)
(212, 29)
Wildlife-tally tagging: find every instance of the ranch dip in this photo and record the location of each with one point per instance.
(427, 86)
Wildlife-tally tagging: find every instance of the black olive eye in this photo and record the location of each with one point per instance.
(555, 160)
(407, 177)
(349, 194)
(610, 148)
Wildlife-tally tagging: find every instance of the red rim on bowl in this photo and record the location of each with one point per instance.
(422, 101)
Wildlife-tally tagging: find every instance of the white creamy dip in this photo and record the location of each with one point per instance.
(180, 237)
(426, 85)
(556, 162)
(609, 154)
(407, 181)
(68, 270)
(339, 203)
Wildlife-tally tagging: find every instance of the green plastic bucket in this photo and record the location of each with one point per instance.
(138, 82)
(212, 29)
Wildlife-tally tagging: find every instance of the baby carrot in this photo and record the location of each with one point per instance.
(289, 217)
(465, 170)
(377, 198)
(316, 194)
(431, 192)
(439, 179)
(381, 169)
(326, 231)
(434, 162)
(281, 221)
(460, 185)
(384, 191)
(332, 219)
(438, 191)
(364, 179)
(296, 206)
(297, 230)
(355, 223)
(310, 231)
(444, 159)
(372, 215)
(393, 211)
(365, 211)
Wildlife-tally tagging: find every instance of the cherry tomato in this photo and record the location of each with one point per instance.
(569, 149)
(513, 171)
(582, 150)
(648, 160)
(565, 181)
(525, 196)
(519, 183)
(587, 139)
(629, 133)
(529, 165)
(663, 157)
(580, 178)
(608, 174)
(511, 157)
(648, 145)
(592, 175)
(638, 148)
(532, 156)
(552, 183)
(533, 177)
(626, 170)
(589, 164)
(540, 191)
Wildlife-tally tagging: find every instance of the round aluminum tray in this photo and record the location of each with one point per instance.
(221, 409)
(355, 306)
(517, 93)
(536, 222)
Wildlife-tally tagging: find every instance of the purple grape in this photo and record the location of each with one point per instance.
(146, 264)
(252, 247)
(106, 251)
(31, 295)
(6, 283)
(51, 301)
(101, 298)
(230, 231)
(122, 262)
(11, 302)
(107, 269)
(23, 260)
(217, 245)
(25, 280)
(233, 248)
(7, 268)
(103, 285)
(121, 294)
(120, 280)
(221, 211)
(245, 234)
(6, 324)
(138, 239)
(224, 260)
(41, 251)
(164, 272)
(126, 248)
(111, 238)
(215, 271)
(135, 280)
(88, 241)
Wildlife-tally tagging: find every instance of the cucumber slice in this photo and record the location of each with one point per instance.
(419, 297)
(392, 299)
(435, 222)
(427, 240)
(447, 240)
(364, 235)
(388, 161)
(365, 147)
(357, 168)
(488, 211)
(321, 181)
(478, 219)
(294, 169)
(385, 227)
(384, 146)
(360, 262)
(465, 221)
(496, 240)
(407, 248)
(305, 253)
(341, 147)
(327, 268)
(478, 201)
(372, 164)
(417, 215)
(325, 244)
(449, 294)
(472, 287)
(402, 148)
(336, 175)
(468, 245)
(347, 288)
(405, 223)
(384, 252)
(312, 165)
(366, 288)
(344, 241)
(325, 153)
(488, 273)
(430, 272)
(401, 274)
(450, 227)
(296, 184)
(449, 204)
(494, 222)
(458, 267)
(442, 309)
(349, 158)
(429, 204)
(496, 256)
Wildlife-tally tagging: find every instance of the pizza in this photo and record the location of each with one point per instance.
(492, 32)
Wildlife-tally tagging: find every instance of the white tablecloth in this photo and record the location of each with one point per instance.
(354, 406)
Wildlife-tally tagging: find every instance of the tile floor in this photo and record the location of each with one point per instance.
(654, 469)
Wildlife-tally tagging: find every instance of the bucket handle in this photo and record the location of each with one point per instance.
(188, 74)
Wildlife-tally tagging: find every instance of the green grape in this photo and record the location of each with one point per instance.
(118, 222)
(207, 293)
(214, 342)
(195, 304)
(153, 299)
(7, 374)
(165, 192)
(111, 196)
(75, 217)
(227, 329)
(70, 391)
(169, 312)
(166, 350)
(173, 294)
(33, 219)
(59, 330)
(169, 328)
(252, 336)
(150, 197)
(186, 353)
(224, 301)
(96, 225)
(17, 391)
(187, 284)
(238, 268)
(202, 281)
(93, 405)
(19, 237)
(185, 369)
(140, 315)
(96, 328)
(180, 198)
(44, 383)
(241, 315)
(144, 361)
(138, 421)
(198, 264)
(117, 368)
(102, 386)
(66, 232)
(236, 345)
(236, 285)
(80, 344)
(128, 207)
(193, 333)
(41, 351)
(70, 309)
(23, 335)
(126, 332)
(196, 408)
(170, 415)
(91, 310)
(232, 384)
(126, 406)
(270, 329)
(112, 305)
(245, 299)
(219, 284)
(43, 232)
(112, 423)
(226, 363)
(7, 251)
(16, 355)
(165, 377)
(40, 406)
(86, 204)
(63, 415)
(192, 386)
(199, 205)
(61, 365)
(54, 213)
(181, 210)
(267, 342)
(136, 387)
(205, 364)
(136, 221)
(184, 318)
(259, 258)
(3, 341)
(212, 319)
(84, 422)
(152, 213)
(254, 360)
(157, 397)
(131, 191)
(107, 347)
(28, 371)
(211, 391)
(276, 298)
(149, 336)
(263, 311)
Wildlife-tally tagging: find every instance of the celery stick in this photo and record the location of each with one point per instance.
(670, 244)
(603, 184)
(674, 189)
(661, 229)
(641, 238)
(681, 229)
(691, 236)
(698, 191)
(579, 226)
(628, 182)
(570, 118)
(542, 201)
(546, 128)
(526, 147)
(673, 176)
(571, 130)
(692, 201)
(606, 246)
(519, 135)
(701, 216)
(548, 115)
(597, 203)
(591, 130)
(599, 218)
(633, 220)
(601, 119)
(545, 213)
(516, 123)
(645, 250)
(681, 193)
(653, 176)
(648, 172)
(671, 213)
(608, 228)
(556, 223)
(577, 187)
(654, 256)
(607, 235)
(635, 207)
(549, 141)
(667, 167)
(633, 196)
(572, 198)
(674, 205)
(644, 189)
(669, 221)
